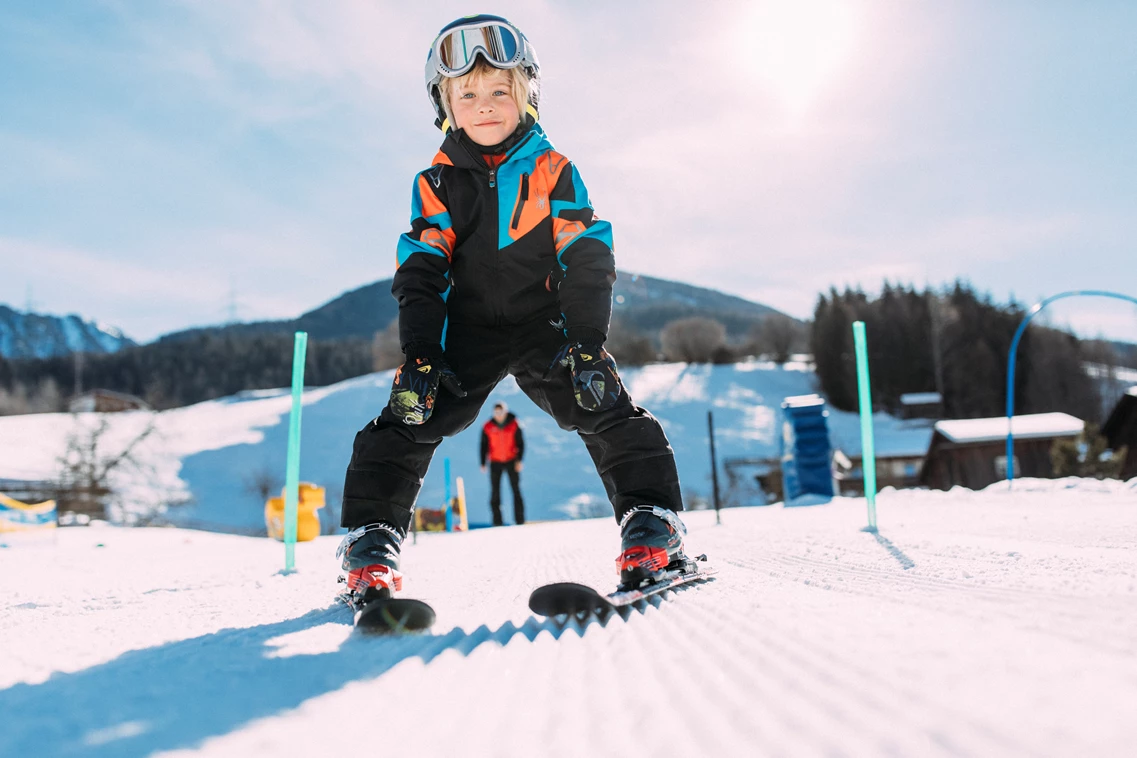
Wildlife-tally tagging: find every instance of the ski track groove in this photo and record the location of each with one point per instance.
(1020, 607)
(836, 679)
(812, 686)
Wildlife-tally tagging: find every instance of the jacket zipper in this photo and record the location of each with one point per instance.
(493, 184)
(521, 204)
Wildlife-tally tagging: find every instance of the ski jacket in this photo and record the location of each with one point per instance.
(501, 244)
(502, 443)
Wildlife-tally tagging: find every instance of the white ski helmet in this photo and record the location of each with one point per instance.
(456, 48)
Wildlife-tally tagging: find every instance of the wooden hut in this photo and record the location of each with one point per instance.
(1120, 429)
(106, 401)
(972, 453)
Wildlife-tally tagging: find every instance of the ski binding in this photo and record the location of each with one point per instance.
(572, 598)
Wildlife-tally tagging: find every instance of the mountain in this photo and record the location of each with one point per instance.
(357, 314)
(643, 302)
(647, 304)
(34, 335)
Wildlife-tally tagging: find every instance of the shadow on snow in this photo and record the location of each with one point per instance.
(182, 693)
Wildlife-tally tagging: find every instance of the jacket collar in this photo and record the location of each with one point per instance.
(459, 151)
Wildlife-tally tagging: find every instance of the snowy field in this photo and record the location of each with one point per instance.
(974, 624)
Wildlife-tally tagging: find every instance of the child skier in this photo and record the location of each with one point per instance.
(506, 270)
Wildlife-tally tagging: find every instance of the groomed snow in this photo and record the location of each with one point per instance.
(984, 624)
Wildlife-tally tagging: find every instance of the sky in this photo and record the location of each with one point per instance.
(171, 164)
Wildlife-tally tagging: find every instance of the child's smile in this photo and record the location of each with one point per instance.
(485, 108)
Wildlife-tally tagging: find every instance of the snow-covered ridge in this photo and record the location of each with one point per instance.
(33, 335)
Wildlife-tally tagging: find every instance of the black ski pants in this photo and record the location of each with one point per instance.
(510, 469)
(390, 458)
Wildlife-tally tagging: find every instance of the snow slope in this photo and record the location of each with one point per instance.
(976, 624)
(209, 451)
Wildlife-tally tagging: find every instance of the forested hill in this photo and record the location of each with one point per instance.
(640, 302)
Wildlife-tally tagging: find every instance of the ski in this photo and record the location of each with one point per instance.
(573, 598)
(390, 615)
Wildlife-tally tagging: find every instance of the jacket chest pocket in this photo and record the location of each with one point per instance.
(523, 195)
(530, 207)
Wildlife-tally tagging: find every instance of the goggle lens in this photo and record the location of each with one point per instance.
(458, 49)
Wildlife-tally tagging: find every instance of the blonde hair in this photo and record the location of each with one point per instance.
(519, 86)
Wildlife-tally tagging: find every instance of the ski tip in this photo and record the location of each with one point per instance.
(394, 616)
(566, 598)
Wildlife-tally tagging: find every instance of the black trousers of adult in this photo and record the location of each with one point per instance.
(389, 459)
(496, 470)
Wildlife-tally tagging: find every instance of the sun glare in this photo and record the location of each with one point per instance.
(796, 47)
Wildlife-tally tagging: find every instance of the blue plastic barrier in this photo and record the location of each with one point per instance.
(805, 449)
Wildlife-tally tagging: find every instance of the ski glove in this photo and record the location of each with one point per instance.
(415, 389)
(595, 382)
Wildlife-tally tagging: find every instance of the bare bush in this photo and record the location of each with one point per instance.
(14, 402)
(693, 340)
(263, 482)
(88, 465)
(1087, 455)
(629, 346)
(386, 352)
(775, 336)
(46, 397)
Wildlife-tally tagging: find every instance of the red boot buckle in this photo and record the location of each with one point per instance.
(376, 575)
(643, 557)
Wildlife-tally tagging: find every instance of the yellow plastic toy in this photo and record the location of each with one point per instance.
(16, 516)
(450, 518)
(307, 520)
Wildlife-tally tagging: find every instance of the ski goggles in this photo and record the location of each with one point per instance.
(456, 50)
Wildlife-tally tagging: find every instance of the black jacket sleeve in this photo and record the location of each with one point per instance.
(423, 257)
(584, 253)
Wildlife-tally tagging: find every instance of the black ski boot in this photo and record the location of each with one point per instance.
(371, 559)
(651, 543)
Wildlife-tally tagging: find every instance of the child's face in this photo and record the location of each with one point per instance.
(485, 108)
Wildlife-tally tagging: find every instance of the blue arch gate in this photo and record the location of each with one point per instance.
(1014, 349)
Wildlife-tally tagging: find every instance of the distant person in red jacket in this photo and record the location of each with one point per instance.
(503, 444)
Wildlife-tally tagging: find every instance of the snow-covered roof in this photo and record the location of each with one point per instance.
(802, 401)
(1025, 427)
(921, 398)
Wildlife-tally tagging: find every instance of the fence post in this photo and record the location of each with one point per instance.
(714, 465)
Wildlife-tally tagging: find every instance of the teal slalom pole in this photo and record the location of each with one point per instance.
(292, 473)
(868, 451)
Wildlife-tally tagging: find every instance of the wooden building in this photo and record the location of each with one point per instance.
(1120, 429)
(106, 401)
(972, 453)
(921, 405)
